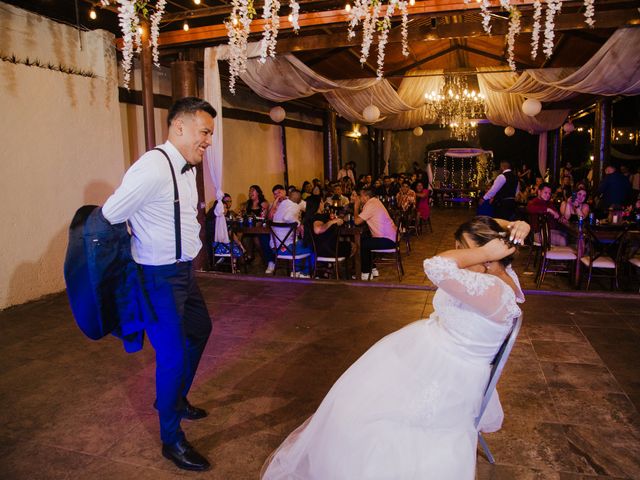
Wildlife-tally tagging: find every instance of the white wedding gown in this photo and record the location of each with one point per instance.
(406, 408)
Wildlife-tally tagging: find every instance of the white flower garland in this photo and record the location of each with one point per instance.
(368, 28)
(535, 33)
(402, 5)
(514, 29)
(155, 30)
(270, 34)
(129, 22)
(553, 7)
(357, 13)
(486, 15)
(295, 14)
(383, 37)
(589, 12)
(238, 29)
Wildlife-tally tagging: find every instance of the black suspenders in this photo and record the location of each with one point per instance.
(176, 207)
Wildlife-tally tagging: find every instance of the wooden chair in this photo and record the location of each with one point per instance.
(226, 254)
(333, 263)
(497, 365)
(535, 240)
(283, 237)
(554, 258)
(390, 253)
(605, 247)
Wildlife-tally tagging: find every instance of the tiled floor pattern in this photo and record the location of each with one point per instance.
(71, 408)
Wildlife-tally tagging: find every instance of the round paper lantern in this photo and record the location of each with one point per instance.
(531, 107)
(568, 127)
(371, 113)
(277, 114)
(509, 131)
(418, 131)
(363, 130)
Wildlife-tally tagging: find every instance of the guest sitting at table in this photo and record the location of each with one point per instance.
(542, 205)
(316, 190)
(279, 195)
(324, 230)
(257, 207)
(370, 210)
(576, 206)
(234, 245)
(388, 188)
(289, 211)
(564, 190)
(422, 200)
(338, 199)
(307, 188)
(406, 198)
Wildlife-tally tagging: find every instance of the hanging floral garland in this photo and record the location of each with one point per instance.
(384, 26)
(514, 29)
(535, 33)
(238, 29)
(589, 12)
(553, 7)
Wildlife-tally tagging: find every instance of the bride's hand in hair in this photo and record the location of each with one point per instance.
(496, 249)
(518, 232)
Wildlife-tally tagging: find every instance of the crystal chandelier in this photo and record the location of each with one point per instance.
(456, 107)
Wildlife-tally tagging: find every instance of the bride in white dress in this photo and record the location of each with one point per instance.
(406, 408)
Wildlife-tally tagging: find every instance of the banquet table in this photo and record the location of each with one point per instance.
(442, 195)
(346, 232)
(578, 232)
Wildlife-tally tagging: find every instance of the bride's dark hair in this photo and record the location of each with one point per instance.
(482, 230)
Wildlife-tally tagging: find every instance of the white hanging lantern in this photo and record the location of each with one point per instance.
(277, 114)
(371, 114)
(531, 107)
(509, 131)
(363, 130)
(568, 127)
(418, 131)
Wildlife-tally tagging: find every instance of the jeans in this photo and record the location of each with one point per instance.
(178, 333)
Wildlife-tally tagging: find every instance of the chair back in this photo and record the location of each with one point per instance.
(497, 365)
(283, 237)
(545, 232)
(607, 242)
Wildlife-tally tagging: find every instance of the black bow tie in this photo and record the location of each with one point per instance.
(187, 167)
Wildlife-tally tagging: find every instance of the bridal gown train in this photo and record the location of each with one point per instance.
(406, 408)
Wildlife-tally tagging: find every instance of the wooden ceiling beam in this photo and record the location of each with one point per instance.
(492, 56)
(412, 65)
(567, 21)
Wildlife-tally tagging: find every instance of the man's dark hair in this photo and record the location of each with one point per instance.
(367, 191)
(545, 185)
(189, 106)
(277, 187)
(506, 162)
(293, 190)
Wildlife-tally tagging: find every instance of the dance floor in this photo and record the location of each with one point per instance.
(73, 408)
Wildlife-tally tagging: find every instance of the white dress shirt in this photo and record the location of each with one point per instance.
(287, 212)
(145, 199)
(498, 183)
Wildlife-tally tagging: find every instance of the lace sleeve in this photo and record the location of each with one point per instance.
(486, 294)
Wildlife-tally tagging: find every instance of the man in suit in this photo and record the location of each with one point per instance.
(502, 193)
(165, 240)
(615, 188)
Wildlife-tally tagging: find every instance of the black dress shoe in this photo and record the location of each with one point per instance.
(190, 412)
(185, 456)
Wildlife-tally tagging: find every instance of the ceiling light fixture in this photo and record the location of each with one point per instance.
(185, 26)
(92, 14)
(197, 2)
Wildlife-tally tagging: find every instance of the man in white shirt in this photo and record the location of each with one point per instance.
(165, 240)
(290, 211)
(502, 194)
(347, 171)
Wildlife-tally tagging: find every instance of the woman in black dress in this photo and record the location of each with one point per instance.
(323, 229)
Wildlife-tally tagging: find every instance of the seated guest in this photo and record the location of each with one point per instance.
(290, 189)
(542, 205)
(338, 199)
(406, 197)
(306, 190)
(532, 191)
(316, 190)
(234, 246)
(422, 201)
(615, 188)
(564, 191)
(576, 206)
(347, 186)
(289, 211)
(369, 209)
(388, 188)
(324, 230)
(257, 206)
(279, 195)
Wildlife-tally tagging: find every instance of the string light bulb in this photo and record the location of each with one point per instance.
(234, 21)
(185, 26)
(290, 18)
(412, 2)
(140, 30)
(347, 8)
(92, 14)
(197, 2)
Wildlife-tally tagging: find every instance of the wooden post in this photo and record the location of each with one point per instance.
(554, 149)
(601, 138)
(146, 61)
(283, 136)
(184, 83)
(330, 142)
